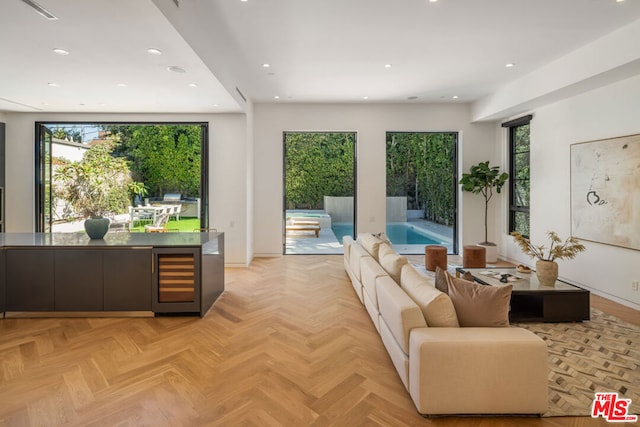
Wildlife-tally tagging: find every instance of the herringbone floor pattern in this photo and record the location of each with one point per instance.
(287, 344)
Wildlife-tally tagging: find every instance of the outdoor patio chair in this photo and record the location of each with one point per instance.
(160, 226)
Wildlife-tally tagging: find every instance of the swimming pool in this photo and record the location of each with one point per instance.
(398, 234)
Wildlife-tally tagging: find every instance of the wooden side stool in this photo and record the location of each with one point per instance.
(474, 257)
(435, 256)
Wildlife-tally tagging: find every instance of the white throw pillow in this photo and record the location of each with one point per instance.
(391, 261)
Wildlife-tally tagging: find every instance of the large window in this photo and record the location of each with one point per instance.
(519, 201)
(319, 191)
(421, 190)
(136, 174)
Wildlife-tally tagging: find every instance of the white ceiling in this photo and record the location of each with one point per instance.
(318, 50)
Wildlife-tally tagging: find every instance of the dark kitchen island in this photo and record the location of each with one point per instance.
(124, 272)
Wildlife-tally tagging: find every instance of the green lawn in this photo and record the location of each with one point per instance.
(184, 225)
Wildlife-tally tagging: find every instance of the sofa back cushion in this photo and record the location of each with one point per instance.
(347, 241)
(398, 312)
(391, 261)
(371, 244)
(355, 257)
(436, 306)
(479, 305)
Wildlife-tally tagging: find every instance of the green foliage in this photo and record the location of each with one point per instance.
(318, 165)
(72, 134)
(165, 157)
(420, 167)
(484, 179)
(96, 185)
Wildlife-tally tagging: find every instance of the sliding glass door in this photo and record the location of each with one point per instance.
(143, 172)
(421, 190)
(319, 191)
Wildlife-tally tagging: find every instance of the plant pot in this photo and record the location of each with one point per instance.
(491, 251)
(96, 228)
(547, 272)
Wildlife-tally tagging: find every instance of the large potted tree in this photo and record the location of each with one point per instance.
(484, 179)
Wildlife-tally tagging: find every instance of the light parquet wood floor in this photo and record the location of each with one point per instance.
(287, 344)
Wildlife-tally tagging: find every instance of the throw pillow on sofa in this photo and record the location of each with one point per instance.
(479, 305)
(444, 277)
(390, 261)
(436, 306)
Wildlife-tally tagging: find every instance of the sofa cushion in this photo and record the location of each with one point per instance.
(399, 313)
(391, 261)
(480, 305)
(436, 306)
(355, 257)
(371, 243)
(347, 241)
(370, 270)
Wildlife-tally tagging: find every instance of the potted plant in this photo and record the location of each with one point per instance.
(484, 179)
(546, 266)
(95, 186)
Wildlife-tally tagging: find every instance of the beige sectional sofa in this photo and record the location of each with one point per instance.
(447, 369)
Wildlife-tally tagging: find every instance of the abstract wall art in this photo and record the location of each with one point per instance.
(605, 191)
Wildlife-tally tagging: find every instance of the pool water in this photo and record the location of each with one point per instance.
(399, 234)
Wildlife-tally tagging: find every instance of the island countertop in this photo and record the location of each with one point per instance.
(110, 239)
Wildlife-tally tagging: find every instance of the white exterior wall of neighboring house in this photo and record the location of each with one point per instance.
(69, 150)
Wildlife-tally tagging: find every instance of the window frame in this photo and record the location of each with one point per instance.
(514, 209)
(40, 125)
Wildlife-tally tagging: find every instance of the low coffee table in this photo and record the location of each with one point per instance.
(533, 302)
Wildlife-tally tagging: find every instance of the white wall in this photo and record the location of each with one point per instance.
(227, 170)
(602, 113)
(371, 122)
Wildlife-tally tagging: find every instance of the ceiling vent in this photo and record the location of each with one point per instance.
(41, 10)
(241, 94)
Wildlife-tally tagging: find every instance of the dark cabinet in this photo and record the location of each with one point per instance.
(127, 279)
(78, 280)
(159, 272)
(29, 280)
(2, 269)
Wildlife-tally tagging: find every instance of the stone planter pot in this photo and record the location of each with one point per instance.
(96, 228)
(491, 252)
(547, 272)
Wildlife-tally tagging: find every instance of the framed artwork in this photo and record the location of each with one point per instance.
(605, 191)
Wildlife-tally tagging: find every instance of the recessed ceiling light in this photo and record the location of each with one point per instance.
(121, 85)
(192, 85)
(154, 51)
(61, 51)
(216, 105)
(244, 1)
(365, 97)
(53, 84)
(387, 65)
(619, 1)
(276, 97)
(175, 69)
(432, 1)
(510, 65)
(455, 97)
(265, 65)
